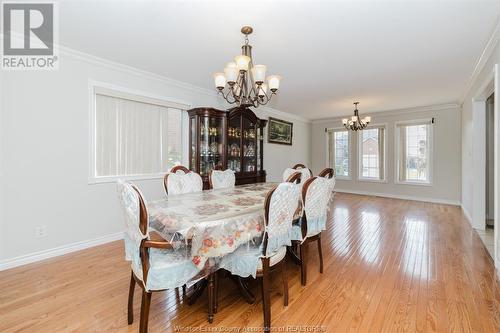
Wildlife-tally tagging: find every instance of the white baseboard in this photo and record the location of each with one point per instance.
(467, 215)
(58, 251)
(403, 197)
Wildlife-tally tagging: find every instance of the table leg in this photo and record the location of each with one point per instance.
(244, 290)
(196, 291)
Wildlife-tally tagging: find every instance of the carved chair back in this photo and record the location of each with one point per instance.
(327, 173)
(306, 173)
(218, 178)
(299, 166)
(294, 178)
(182, 180)
(218, 167)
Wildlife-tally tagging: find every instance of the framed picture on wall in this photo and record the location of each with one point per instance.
(279, 131)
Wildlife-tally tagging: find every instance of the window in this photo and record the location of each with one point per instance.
(136, 136)
(371, 154)
(339, 152)
(414, 162)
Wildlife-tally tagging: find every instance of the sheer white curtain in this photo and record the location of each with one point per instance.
(136, 138)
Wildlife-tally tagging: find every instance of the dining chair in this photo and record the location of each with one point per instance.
(218, 179)
(306, 172)
(156, 266)
(327, 173)
(294, 178)
(316, 196)
(181, 180)
(259, 261)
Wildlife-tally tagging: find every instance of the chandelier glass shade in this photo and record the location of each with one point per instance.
(355, 123)
(244, 83)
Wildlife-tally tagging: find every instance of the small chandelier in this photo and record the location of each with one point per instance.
(356, 123)
(245, 81)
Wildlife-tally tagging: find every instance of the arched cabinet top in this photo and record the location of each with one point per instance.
(207, 112)
(246, 113)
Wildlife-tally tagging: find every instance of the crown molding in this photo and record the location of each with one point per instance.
(425, 108)
(482, 60)
(283, 114)
(94, 60)
(89, 58)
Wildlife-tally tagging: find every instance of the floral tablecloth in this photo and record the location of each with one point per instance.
(216, 221)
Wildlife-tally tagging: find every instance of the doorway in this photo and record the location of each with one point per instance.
(487, 234)
(485, 161)
(490, 163)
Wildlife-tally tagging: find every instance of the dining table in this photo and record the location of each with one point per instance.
(207, 225)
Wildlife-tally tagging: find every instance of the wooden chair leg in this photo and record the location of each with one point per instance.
(130, 313)
(285, 282)
(292, 252)
(320, 251)
(145, 303)
(266, 295)
(303, 265)
(211, 297)
(216, 291)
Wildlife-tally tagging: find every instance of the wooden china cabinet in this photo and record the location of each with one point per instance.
(231, 139)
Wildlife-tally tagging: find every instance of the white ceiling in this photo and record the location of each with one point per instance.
(386, 54)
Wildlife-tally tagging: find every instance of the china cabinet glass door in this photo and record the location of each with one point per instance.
(193, 150)
(249, 140)
(210, 143)
(234, 145)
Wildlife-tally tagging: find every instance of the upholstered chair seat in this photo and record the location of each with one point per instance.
(168, 269)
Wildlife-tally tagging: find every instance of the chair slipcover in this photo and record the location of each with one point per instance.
(318, 197)
(168, 268)
(245, 261)
(180, 183)
(306, 174)
(129, 200)
(223, 179)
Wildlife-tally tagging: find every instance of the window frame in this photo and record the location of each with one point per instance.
(349, 147)
(360, 157)
(397, 151)
(100, 88)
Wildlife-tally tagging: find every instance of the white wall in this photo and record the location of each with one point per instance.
(45, 151)
(446, 155)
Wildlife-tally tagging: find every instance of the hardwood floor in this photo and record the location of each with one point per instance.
(390, 265)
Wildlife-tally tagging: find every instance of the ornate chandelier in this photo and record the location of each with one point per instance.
(242, 82)
(356, 123)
